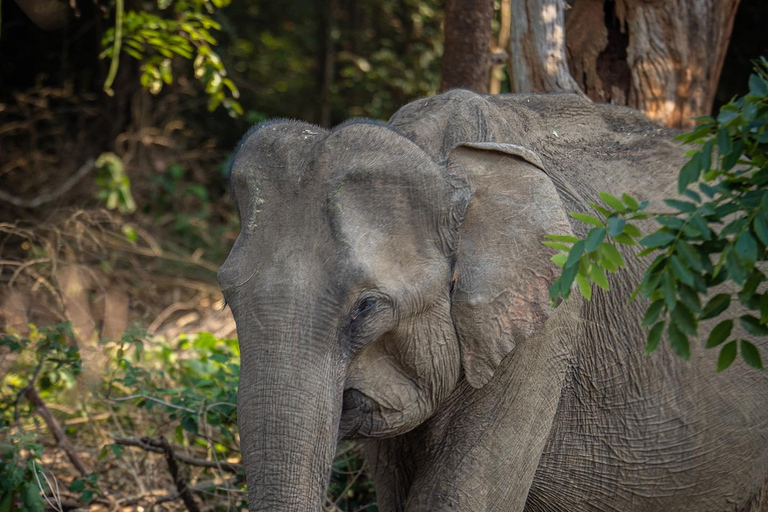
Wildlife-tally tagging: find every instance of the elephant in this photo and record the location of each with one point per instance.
(389, 284)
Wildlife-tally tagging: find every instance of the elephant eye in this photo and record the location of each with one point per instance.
(363, 307)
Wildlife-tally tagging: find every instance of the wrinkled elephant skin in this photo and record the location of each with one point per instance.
(389, 284)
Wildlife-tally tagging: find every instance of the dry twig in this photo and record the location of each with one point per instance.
(173, 468)
(149, 445)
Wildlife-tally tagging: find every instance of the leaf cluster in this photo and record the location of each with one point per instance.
(19, 471)
(53, 368)
(178, 29)
(715, 233)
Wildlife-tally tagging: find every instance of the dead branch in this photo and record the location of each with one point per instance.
(35, 202)
(147, 444)
(204, 487)
(173, 468)
(56, 430)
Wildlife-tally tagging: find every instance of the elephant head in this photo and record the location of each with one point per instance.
(367, 281)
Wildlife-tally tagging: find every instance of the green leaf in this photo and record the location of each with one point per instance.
(576, 251)
(750, 286)
(760, 225)
(563, 238)
(566, 280)
(732, 158)
(589, 219)
(706, 156)
(683, 206)
(594, 239)
(760, 178)
(658, 239)
(751, 355)
(654, 336)
(679, 341)
(681, 272)
(746, 248)
(690, 298)
(630, 201)
(558, 259)
(684, 319)
(652, 313)
(616, 226)
(557, 245)
(753, 326)
(689, 173)
(601, 209)
(726, 357)
(757, 86)
(670, 221)
(702, 226)
(597, 274)
(632, 230)
(748, 111)
(612, 254)
(584, 287)
(727, 114)
(612, 201)
(736, 270)
(668, 290)
(189, 424)
(688, 255)
(716, 305)
(724, 141)
(77, 485)
(720, 333)
(764, 308)
(624, 239)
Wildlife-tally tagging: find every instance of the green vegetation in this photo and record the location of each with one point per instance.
(150, 395)
(179, 29)
(718, 233)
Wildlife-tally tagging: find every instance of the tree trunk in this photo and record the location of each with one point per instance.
(327, 11)
(466, 53)
(663, 58)
(537, 58)
(501, 43)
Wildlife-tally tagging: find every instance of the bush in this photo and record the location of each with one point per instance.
(716, 234)
(172, 401)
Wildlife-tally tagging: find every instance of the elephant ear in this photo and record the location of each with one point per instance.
(502, 272)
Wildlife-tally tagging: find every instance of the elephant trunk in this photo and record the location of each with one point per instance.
(290, 403)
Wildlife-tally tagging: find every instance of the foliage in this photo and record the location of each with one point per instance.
(179, 29)
(114, 186)
(19, 472)
(715, 235)
(187, 204)
(383, 53)
(53, 369)
(185, 390)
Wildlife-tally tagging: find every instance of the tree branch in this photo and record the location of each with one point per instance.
(35, 202)
(149, 445)
(56, 430)
(173, 468)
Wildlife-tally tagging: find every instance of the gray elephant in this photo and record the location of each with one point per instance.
(390, 285)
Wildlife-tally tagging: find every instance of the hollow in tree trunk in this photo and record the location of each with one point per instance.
(663, 58)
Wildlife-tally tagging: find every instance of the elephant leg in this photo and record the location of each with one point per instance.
(481, 452)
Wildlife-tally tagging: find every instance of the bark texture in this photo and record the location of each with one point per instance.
(661, 57)
(537, 57)
(501, 44)
(467, 45)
